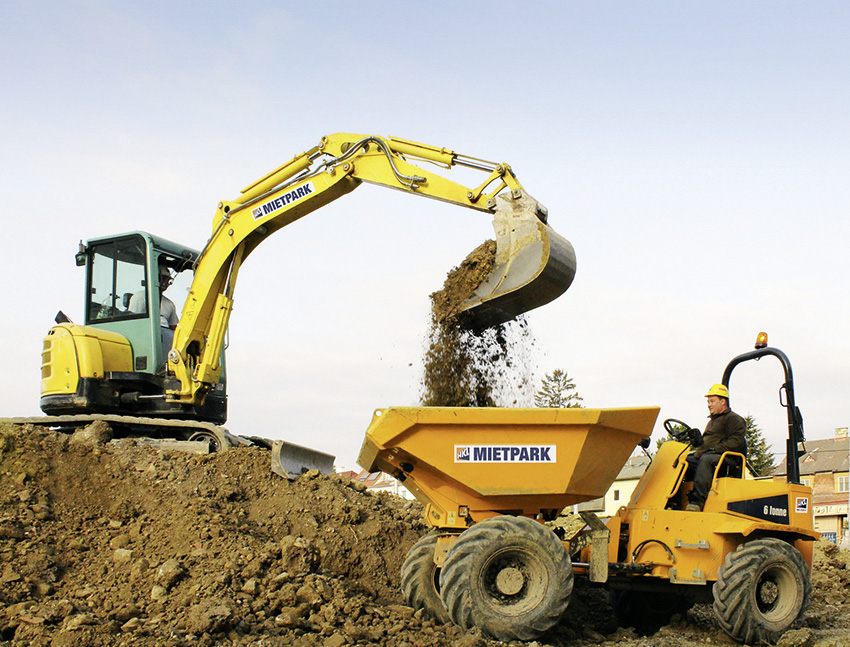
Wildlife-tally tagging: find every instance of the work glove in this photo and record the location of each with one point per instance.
(695, 437)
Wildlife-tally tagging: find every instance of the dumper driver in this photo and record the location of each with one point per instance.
(724, 433)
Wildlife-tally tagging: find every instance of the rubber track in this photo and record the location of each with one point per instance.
(732, 589)
(456, 575)
(166, 426)
(82, 419)
(419, 557)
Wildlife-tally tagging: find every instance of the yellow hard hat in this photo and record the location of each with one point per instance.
(718, 390)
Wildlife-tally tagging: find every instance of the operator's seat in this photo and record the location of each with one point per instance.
(733, 466)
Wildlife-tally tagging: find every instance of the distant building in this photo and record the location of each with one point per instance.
(620, 491)
(824, 468)
(381, 482)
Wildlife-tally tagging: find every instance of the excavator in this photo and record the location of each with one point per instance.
(130, 366)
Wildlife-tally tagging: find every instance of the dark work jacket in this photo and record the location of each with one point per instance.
(723, 433)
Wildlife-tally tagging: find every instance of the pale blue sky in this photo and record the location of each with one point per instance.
(695, 153)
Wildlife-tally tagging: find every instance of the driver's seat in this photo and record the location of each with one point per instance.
(733, 466)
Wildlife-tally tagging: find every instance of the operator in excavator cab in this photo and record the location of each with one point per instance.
(168, 317)
(723, 433)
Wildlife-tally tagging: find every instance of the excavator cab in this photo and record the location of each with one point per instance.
(136, 284)
(126, 283)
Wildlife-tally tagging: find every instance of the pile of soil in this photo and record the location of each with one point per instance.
(116, 543)
(111, 544)
(463, 368)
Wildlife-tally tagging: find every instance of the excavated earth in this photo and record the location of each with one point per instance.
(463, 368)
(117, 543)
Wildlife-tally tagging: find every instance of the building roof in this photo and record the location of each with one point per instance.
(634, 468)
(827, 455)
(374, 479)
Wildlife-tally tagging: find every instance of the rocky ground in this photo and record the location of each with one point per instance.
(120, 544)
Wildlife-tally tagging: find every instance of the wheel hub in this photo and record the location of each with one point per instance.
(768, 593)
(509, 581)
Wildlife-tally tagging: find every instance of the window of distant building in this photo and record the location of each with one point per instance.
(807, 481)
(616, 495)
(842, 482)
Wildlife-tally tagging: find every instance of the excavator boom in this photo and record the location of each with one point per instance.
(533, 264)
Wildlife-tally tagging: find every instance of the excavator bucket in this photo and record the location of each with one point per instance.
(533, 265)
(291, 460)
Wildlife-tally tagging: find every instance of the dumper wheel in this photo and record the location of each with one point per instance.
(509, 576)
(648, 611)
(762, 588)
(420, 579)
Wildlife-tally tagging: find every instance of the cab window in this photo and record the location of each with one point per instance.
(117, 281)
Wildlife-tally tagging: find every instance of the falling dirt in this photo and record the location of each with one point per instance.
(105, 543)
(467, 369)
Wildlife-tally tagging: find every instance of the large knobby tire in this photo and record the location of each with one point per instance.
(762, 588)
(648, 611)
(509, 576)
(420, 579)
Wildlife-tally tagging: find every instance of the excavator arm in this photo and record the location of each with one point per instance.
(533, 264)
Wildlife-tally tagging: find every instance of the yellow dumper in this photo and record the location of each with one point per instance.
(492, 480)
(469, 464)
(487, 476)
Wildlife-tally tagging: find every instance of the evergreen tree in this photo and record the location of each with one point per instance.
(759, 456)
(558, 391)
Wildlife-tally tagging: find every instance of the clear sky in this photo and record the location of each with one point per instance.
(696, 154)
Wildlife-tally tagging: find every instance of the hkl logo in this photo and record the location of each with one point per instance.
(463, 454)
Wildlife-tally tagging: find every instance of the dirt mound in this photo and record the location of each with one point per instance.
(106, 544)
(119, 544)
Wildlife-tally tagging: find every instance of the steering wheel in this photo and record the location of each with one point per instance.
(678, 430)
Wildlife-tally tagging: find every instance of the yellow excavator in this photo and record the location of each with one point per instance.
(148, 373)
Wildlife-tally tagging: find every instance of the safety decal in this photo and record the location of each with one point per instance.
(802, 506)
(268, 208)
(772, 508)
(506, 454)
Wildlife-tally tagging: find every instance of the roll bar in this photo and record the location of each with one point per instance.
(795, 418)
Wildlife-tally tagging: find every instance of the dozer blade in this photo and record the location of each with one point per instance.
(533, 265)
(291, 460)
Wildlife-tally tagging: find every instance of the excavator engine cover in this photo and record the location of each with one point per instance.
(533, 265)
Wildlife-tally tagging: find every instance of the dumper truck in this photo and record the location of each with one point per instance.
(493, 480)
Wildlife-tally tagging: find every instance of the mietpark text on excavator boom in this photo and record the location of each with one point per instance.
(533, 264)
